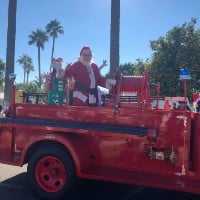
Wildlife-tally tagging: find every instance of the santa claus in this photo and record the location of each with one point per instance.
(87, 77)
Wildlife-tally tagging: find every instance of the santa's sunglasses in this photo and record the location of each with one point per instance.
(87, 55)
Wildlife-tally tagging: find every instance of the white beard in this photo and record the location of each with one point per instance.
(85, 63)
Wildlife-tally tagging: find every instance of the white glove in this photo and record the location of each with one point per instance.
(110, 82)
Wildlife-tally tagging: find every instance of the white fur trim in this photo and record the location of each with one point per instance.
(80, 95)
(92, 98)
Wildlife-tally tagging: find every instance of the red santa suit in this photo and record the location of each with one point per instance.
(87, 77)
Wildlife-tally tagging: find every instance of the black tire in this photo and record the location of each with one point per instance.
(51, 172)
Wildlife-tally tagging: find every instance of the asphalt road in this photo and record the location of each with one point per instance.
(14, 185)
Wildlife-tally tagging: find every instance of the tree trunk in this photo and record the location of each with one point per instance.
(27, 76)
(52, 52)
(114, 35)
(24, 76)
(10, 51)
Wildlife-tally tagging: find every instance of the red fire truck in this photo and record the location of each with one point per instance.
(125, 140)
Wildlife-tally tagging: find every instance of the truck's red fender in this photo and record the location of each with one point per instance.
(57, 138)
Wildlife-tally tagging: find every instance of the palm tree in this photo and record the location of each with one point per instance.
(114, 35)
(27, 65)
(53, 28)
(2, 74)
(10, 52)
(38, 37)
(30, 68)
(38, 82)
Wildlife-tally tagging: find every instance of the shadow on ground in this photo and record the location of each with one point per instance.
(18, 188)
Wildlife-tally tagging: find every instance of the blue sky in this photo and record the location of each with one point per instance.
(87, 22)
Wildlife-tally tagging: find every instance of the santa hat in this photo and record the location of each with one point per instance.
(85, 48)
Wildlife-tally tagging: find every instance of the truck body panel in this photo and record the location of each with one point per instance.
(129, 143)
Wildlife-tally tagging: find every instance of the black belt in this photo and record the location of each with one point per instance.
(85, 89)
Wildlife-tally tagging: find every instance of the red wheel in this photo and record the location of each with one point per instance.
(51, 172)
